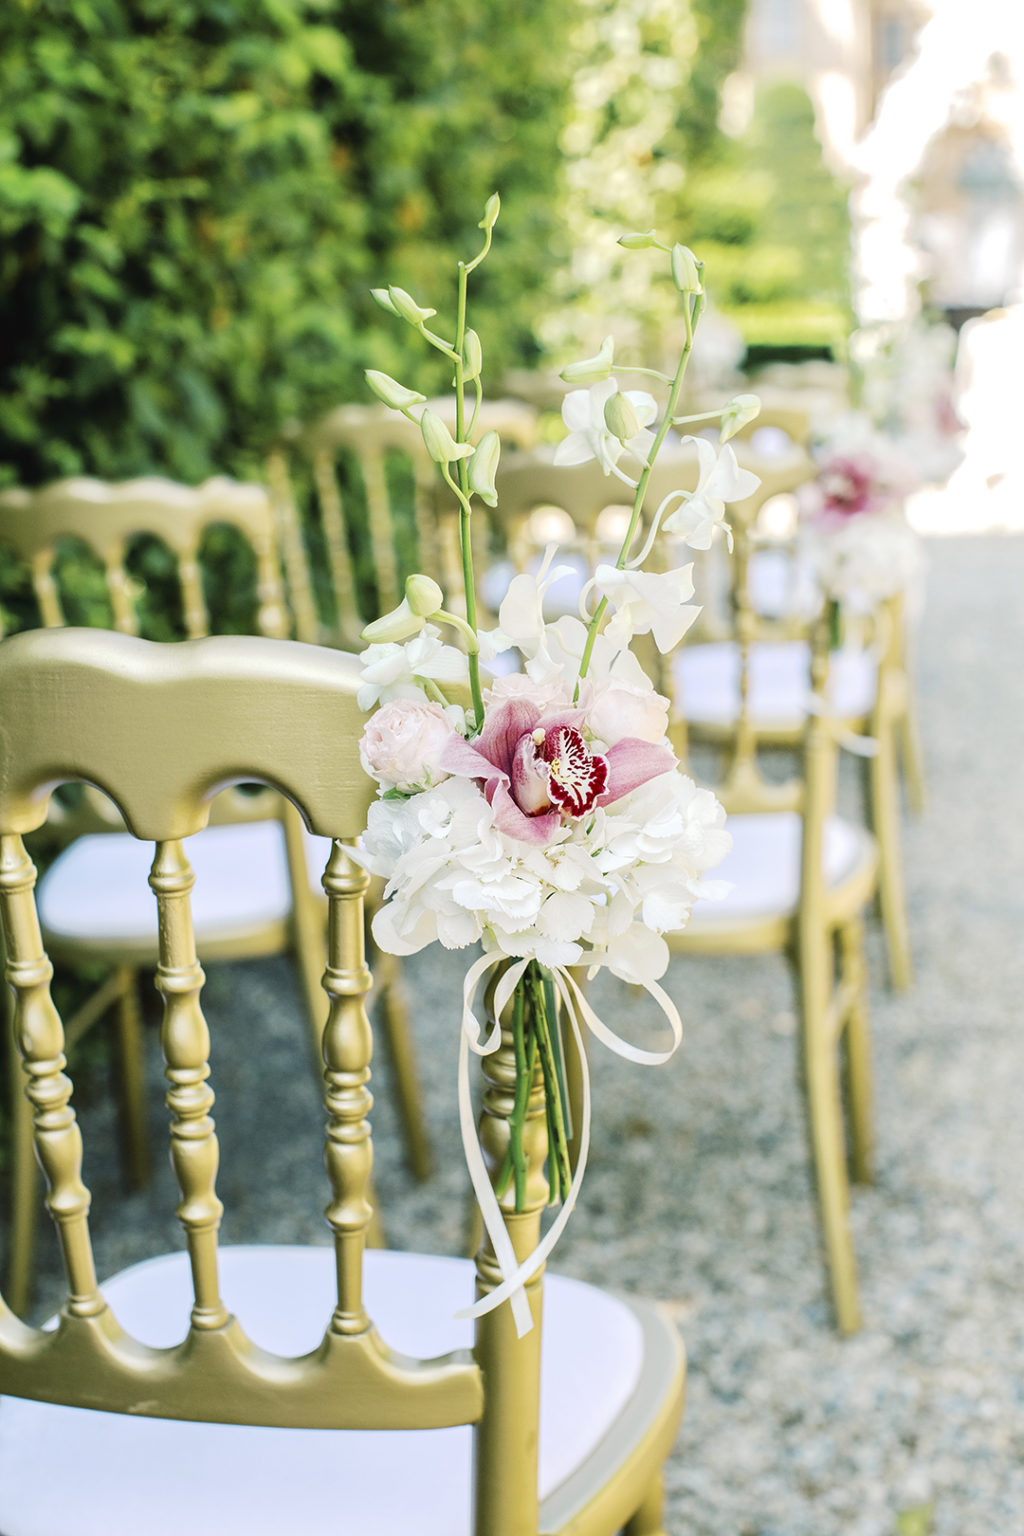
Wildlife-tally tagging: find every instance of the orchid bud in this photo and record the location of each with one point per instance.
(592, 369)
(686, 270)
(472, 357)
(398, 625)
(391, 392)
(383, 298)
(638, 242)
(483, 467)
(491, 212)
(405, 305)
(736, 414)
(439, 442)
(620, 417)
(423, 595)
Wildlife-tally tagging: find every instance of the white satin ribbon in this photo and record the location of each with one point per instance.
(850, 741)
(579, 1013)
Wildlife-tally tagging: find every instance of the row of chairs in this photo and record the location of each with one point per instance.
(721, 684)
(803, 876)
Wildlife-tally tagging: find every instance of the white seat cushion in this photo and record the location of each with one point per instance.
(706, 679)
(781, 586)
(763, 865)
(124, 1476)
(96, 889)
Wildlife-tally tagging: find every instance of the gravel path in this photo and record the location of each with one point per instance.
(698, 1188)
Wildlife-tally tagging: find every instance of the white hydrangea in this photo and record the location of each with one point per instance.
(604, 888)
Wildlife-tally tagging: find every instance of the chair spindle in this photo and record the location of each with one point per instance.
(186, 1046)
(347, 1048)
(40, 1037)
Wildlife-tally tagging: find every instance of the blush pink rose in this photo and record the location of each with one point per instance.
(616, 709)
(402, 744)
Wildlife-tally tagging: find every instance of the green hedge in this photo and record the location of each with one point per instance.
(195, 196)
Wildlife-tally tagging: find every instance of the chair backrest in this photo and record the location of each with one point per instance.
(360, 486)
(743, 786)
(161, 728)
(108, 517)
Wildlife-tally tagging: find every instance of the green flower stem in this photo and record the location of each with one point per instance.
(469, 635)
(682, 421)
(514, 1163)
(559, 1172)
(515, 1145)
(465, 506)
(835, 625)
(650, 373)
(691, 314)
(431, 690)
(438, 342)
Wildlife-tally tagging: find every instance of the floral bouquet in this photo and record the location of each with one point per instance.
(546, 819)
(855, 539)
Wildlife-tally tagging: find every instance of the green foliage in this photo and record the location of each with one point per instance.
(196, 195)
(771, 223)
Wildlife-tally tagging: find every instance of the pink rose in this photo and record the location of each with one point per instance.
(616, 709)
(402, 744)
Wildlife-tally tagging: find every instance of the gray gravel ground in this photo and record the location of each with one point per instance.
(698, 1189)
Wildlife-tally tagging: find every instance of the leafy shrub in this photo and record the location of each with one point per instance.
(196, 195)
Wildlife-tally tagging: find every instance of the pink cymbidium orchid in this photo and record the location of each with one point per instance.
(537, 768)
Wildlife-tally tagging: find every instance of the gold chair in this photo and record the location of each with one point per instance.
(247, 1388)
(261, 891)
(371, 489)
(870, 694)
(802, 877)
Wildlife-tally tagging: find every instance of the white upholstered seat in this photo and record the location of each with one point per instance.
(763, 867)
(706, 678)
(115, 1468)
(95, 892)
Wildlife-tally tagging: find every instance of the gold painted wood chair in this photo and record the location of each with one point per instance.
(360, 485)
(802, 877)
(280, 1389)
(579, 508)
(261, 892)
(870, 692)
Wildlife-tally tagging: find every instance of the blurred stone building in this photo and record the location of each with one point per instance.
(920, 103)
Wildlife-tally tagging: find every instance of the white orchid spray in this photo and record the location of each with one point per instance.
(549, 821)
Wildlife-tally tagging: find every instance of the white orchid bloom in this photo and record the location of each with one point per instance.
(721, 480)
(521, 614)
(390, 670)
(648, 601)
(589, 435)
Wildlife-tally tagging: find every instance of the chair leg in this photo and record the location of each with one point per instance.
(825, 1127)
(912, 754)
(649, 1519)
(394, 1019)
(857, 1043)
(23, 1226)
(885, 820)
(133, 1077)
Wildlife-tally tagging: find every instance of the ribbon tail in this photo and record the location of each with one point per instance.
(490, 1210)
(511, 1288)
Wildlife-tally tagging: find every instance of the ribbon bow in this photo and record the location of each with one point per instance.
(580, 1015)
